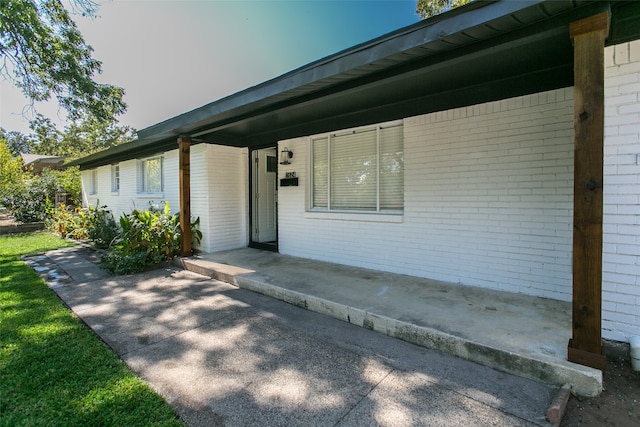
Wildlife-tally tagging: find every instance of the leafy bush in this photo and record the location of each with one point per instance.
(148, 237)
(70, 183)
(102, 229)
(93, 223)
(30, 197)
(142, 239)
(31, 201)
(118, 262)
(12, 175)
(62, 221)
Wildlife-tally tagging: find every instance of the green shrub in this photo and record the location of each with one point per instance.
(70, 183)
(116, 261)
(148, 237)
(93, 223)
(31, 201)
(102, 228)
(62, 220)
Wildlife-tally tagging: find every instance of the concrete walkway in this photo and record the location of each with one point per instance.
(222, 355)
(514, 333)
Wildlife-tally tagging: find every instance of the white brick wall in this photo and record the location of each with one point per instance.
(621, 253)
(218, 192)
(488, 198)
(128, 198)
(488, 201)
(219, 195)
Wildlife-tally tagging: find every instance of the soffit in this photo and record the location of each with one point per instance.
(481, 52)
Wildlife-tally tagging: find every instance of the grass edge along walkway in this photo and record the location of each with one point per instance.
(53, 369)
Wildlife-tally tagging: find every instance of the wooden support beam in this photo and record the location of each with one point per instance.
(184, 148)
(588, 37)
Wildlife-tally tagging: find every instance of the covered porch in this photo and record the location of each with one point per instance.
(514, 333)
(482, 52)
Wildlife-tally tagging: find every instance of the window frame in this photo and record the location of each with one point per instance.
(314, 211)
(143, 183)
(115, 178)
(93, 182)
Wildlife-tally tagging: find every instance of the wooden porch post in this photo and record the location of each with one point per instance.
(588, 37)
(184, 147)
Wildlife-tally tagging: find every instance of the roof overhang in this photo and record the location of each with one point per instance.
(484, 51)
(37, 162)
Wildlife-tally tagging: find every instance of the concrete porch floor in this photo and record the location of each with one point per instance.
(514, 333)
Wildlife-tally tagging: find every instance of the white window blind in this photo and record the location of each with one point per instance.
(321, 173)
(354, 167)
(359, 170)
(391, 168)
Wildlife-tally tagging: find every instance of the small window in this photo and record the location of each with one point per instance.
(151, 175)
(359, 170)
(115, 178)
(93, 182)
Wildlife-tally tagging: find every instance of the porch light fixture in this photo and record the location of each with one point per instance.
(285, 156)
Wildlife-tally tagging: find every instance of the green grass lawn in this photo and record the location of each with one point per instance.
(53, 370)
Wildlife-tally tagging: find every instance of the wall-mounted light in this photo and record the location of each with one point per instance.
(285, 156)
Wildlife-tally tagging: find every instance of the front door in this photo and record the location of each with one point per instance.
(264, 198)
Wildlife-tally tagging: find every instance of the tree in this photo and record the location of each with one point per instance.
(82, 137)
(428, 8)
(29, 196)
(17, 142)
(43, 53)
(12, 175)
(46, 135)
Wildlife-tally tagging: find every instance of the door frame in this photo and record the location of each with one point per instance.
(252, 243)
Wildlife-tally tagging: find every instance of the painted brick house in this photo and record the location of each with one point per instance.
(446, 150)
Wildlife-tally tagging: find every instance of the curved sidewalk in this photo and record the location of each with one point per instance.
(225, 356)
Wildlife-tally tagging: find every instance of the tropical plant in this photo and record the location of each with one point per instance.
(94, 223)
(62, 220)
(148, 237)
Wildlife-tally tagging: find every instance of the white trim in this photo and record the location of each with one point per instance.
(360, 128)
(93, 180)
(115, 179)
(378, 127)
(150, 196)
(142, 176)
(355, 216)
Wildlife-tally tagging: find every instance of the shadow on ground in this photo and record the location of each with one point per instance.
(227, 356)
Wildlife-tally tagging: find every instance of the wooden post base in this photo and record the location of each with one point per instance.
(597, 361)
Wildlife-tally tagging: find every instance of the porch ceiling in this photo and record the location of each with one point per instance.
(481, 52)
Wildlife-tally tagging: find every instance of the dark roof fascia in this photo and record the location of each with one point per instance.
(297, 83)
(133, 149)
(404, 39)
(254, 98)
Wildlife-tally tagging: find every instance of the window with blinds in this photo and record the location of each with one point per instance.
(359, 170)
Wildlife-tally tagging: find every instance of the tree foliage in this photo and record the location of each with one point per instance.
(17, 142)
(43, 53)
(12, 175)
(79, 138)
(428, 8)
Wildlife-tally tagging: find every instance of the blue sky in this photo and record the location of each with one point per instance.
(174, 56)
